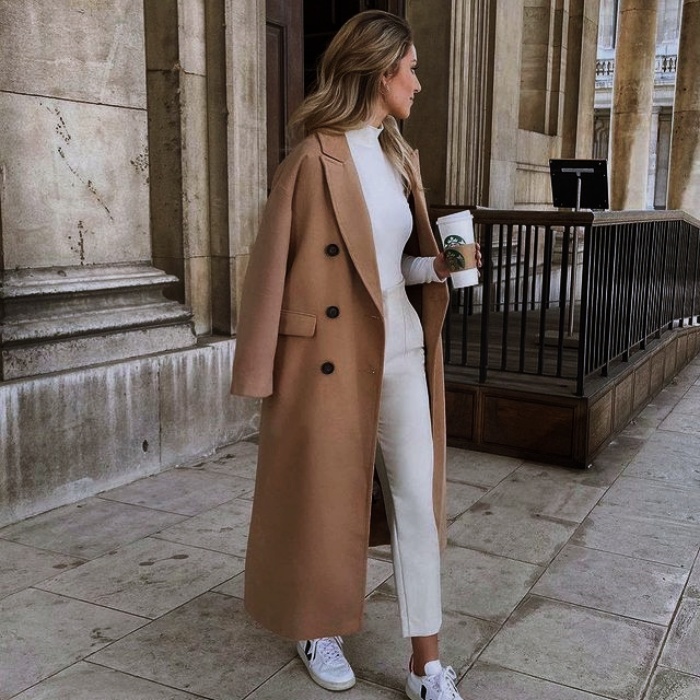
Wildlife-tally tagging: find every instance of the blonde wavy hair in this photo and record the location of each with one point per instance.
(367, 48)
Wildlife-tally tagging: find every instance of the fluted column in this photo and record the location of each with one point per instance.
(633, 89)
(684, 171)
(469, 118)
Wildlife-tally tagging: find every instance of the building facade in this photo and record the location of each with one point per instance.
(664, 85)
(136, 142)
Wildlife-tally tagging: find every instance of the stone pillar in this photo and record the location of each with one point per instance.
(469, 102)
(579, 92)
(508, 34)
(245, 143)
(653, 171)
(77, 287)
(684, 171)
(663, 152)
(426, 130)
(177, 115)
(633, 89)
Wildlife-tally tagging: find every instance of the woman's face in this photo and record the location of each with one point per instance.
(402, 86)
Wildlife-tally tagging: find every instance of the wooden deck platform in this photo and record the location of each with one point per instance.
(521, 413)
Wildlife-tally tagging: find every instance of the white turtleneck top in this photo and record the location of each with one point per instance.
(389, 212)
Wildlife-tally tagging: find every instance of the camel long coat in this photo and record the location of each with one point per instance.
(311, 341)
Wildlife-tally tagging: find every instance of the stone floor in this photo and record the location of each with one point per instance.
(558, 584)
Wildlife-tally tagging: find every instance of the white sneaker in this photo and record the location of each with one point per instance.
(436, 686)
(326, 662)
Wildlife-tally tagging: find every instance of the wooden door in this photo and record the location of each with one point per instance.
(297, 32)
(285, 74)
(323, 18)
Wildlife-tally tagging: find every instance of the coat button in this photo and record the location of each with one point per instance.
(332, 250)
(332, 312)
(328, 368)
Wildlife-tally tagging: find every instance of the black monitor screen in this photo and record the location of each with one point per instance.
(594, 183)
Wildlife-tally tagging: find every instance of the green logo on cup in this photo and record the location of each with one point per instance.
(455, 260)
(454, 240)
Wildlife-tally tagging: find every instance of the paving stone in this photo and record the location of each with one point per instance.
(634, 588)
(185, 491)
(378, 571)
(479, 468)
(674, 503)
(610, 462)
(682, 649)
(294, 682)
(510, 532)
(239, 459)
(637, 534)
(223, 529)
(42, 633)
(683, 418)
(487, 682)
(90, 528)
(646, 422)
(460, 497)
(577, 647)
(669, 457)
(233, 587)
(22, 566)
(85, 681)
(147, 578)
(547, 491)
(668, 684)
(208, 647)
(481, 585)
(381, 552)
(693, 587)
(379, 654)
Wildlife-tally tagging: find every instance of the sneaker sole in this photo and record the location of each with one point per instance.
(411, 693)
(328, 685)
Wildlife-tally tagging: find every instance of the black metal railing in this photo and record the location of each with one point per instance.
(565, 295)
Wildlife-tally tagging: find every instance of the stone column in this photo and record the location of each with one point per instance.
(633, 89)
(245, 143)
(663, 152)
(426, 130)
(177, 115)
(579, 92)
(508, 35)
(684, 171)
(77, 287)
(653, 171)
(469, 103)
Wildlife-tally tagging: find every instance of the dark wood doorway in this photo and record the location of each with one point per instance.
(284, 46)
(297, 32)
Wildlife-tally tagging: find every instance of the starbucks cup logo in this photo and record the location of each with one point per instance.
(453, 255)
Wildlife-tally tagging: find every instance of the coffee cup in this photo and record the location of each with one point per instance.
(457, 233)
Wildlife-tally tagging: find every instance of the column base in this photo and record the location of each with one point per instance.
(65, 318)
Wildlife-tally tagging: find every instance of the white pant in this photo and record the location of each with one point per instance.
(406, 470)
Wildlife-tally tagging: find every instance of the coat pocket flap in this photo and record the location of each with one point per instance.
(297, 323)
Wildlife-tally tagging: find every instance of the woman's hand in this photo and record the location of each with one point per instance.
(479, 261)
(440, 266)
(440, 263)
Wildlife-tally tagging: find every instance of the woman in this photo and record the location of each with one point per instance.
(347, 369)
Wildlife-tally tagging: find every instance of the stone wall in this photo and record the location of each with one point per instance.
(67, 436)
(102, 376)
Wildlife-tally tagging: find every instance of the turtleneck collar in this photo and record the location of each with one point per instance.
(366, 135)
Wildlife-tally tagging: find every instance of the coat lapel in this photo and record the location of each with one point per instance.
(351, 211)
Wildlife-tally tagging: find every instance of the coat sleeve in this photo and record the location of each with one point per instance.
(261, 303)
